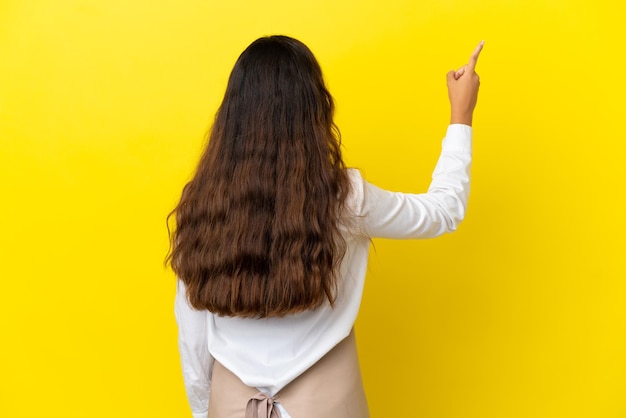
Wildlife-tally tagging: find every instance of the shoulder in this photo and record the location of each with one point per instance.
(356, 195)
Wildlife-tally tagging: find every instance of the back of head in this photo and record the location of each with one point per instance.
(257, 226)
(277, 80)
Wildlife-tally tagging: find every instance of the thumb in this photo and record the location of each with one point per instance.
(459, 72)
(450, 76)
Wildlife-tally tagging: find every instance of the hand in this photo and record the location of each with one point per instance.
(463, 89)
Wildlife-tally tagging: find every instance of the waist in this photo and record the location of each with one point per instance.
(331, 388)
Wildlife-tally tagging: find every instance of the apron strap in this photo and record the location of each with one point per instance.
(262, 406)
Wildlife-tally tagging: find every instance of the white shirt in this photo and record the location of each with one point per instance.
(269, 353)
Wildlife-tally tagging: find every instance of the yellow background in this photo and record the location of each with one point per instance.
(521, 313)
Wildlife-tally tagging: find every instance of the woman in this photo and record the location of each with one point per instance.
(272, 238)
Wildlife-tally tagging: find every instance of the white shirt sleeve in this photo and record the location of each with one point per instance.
(197, 362)
(386, 214)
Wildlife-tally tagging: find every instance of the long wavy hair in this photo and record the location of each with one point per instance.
(257, 228)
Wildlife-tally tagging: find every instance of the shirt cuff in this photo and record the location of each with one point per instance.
(200, 414)
(458, 138)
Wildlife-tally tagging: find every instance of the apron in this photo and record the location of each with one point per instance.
(331, 388)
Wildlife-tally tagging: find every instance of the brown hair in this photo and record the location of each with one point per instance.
(257, 228)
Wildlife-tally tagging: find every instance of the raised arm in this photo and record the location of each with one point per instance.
(386, 214)
(403, 215)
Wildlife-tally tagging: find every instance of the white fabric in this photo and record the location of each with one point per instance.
(270, 353)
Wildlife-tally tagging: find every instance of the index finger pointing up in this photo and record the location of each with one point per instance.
(474, 58)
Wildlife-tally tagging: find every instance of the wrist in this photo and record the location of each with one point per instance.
(461, 118)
